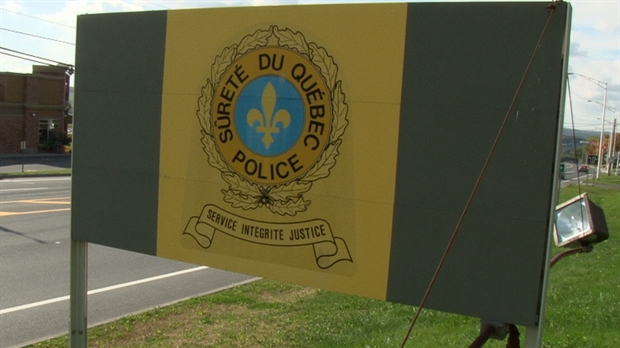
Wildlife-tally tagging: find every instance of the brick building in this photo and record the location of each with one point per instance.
(34, 108)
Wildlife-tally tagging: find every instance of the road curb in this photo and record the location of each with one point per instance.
(14, 176)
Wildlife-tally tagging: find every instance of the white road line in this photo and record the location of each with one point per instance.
(96, 291)
(25, 189)
(37, 179)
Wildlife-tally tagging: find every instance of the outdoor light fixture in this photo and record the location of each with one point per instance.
(579, 222)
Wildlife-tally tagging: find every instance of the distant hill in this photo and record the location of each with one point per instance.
(569, 144)
(580, 134)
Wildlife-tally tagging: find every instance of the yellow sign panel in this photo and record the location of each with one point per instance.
(274, 133)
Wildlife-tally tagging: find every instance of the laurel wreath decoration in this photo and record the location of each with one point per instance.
(285, 199)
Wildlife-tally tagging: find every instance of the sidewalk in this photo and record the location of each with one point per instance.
(608, 186)
(32, 155)
(18, 163)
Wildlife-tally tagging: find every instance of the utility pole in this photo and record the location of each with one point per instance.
(603, 85)
(612, 148)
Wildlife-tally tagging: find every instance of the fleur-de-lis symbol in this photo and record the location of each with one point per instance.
(268, 122)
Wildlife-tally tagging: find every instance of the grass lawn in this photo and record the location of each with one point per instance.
(28, 173)
(583, 310)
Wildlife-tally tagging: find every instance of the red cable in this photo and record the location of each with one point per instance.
(570, 103)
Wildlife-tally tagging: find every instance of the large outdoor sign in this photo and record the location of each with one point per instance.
(333, 146)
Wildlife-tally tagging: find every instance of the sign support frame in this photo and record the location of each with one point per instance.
(78, 324)
(534, 334)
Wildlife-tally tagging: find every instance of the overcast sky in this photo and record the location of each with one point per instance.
(595, 42)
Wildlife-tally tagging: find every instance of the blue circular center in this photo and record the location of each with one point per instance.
(270, 115)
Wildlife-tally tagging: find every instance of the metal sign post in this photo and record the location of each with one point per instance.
(78, 300)
(23, 148)
(534, 334)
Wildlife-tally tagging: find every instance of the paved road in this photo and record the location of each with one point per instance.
(34, 268)
(572, 176)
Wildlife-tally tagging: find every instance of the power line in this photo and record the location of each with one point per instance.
(155, 4)
(24, 58)
(37, 36)
(41, 19)
(34, 57)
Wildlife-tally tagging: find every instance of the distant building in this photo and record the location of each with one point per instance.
(34, 108)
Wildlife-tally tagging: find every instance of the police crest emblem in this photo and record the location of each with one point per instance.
(272, 115)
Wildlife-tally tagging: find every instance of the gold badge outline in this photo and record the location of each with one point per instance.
(287, 198)
(228, 139)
